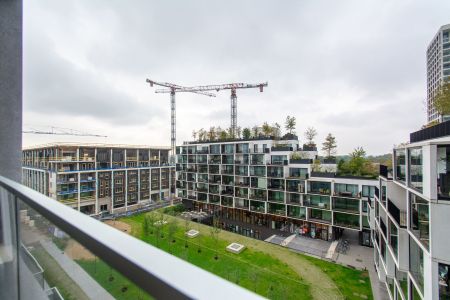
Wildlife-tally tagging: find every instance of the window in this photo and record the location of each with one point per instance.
(444, 281)
(368, 191)
(348, 190)
(443, 172)
(419, 218)
(416, 262)
(415, 168)
(399, 163)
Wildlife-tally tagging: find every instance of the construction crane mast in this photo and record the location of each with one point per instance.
(172, 89)
(230, 86)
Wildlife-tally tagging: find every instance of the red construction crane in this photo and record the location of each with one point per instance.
(230, 86)
(172, 89)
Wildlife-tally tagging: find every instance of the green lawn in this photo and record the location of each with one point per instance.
(112, 281)
(272, 271)
(55, 276)
(254, 270)
(349, 281)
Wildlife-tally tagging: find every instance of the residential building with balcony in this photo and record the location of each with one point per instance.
(410, 221)
(257, 189)
(438, 68)
(99, 178)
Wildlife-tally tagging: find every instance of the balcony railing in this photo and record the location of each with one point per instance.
(152, 269)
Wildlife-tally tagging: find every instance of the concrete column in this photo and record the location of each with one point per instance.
(11, 88)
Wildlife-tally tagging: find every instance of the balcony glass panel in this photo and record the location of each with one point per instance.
(258, 206)
(227, 169)
(227, 159)
(227, 201)
(228, 180)
(346, 220)
(293, 198)
(227, 190)
(215, 179)
(214, 169)
(242, 148)
(278, 159)
(276, 184)
(215, 159)
(393, 237)
(214, 199)
(276, 196)
(214, 149)
(416, 262)
(276, 209)
(202, 159)
(400, 164)
(443, 172)
(346, 204)
(346, 190)
(202, 168)
(295, 186)
(444, 283)
(214, 189)
(258, 171)
(319, 187)
(317, 201)
(275, 172)
(258, 194)
(320, 215)
(241, 170)
(228, 148)
(301, 173)
(296, 212)
(419, 219)
(257, 159)
(241, 203)
(241, 192)
(415, 168)
(258, 182)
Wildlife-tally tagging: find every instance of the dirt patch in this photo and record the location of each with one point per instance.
(76, 251)
(122, 226)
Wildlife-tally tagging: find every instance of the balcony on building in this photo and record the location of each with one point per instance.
(299, 173)
(346, 220)
(318, 215)
(294, 185)
(317, 201)
(214, 169)
(257, 159)
(275, 184)
(258, 194)
(293, 198)
(346, 190)
(350, 205)
(276, 209)
(258, 206)
(258, 171)
(275, 172)
(296, 212)
(319, 187)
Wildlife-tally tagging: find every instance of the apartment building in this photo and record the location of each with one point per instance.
(99, 178)
(438, 68)
(410, 218)
(257, 188)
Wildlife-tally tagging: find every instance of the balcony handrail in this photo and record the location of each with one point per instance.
(160, 274)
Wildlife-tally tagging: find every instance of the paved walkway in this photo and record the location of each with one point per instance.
(361, 257)
(302, 244)
(89, 286)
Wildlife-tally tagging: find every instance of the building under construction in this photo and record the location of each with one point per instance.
(96, 178)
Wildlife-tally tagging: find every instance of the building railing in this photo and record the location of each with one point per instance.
(158, 273)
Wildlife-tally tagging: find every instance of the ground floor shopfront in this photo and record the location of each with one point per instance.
(262, 226)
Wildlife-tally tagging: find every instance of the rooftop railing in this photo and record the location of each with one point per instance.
(152, 270)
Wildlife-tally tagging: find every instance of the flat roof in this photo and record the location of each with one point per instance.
(94, 145)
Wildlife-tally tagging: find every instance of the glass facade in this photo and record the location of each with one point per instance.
(444, 282)
(346, 190)
(416, 262)
(400, 164)
(419, 218)
(415, 168)
(443, 172)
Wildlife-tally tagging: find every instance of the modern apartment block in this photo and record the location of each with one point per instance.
(410, 218)
(256, 188)
(99, 178)
(438, 68)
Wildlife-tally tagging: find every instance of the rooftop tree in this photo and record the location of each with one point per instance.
(246, 133)
(329, 146)
(267, 129)
(290, 124)
(310, 135)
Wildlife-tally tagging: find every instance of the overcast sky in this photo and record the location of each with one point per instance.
(353, 68)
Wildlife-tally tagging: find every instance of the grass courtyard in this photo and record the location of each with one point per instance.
(269, 270)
